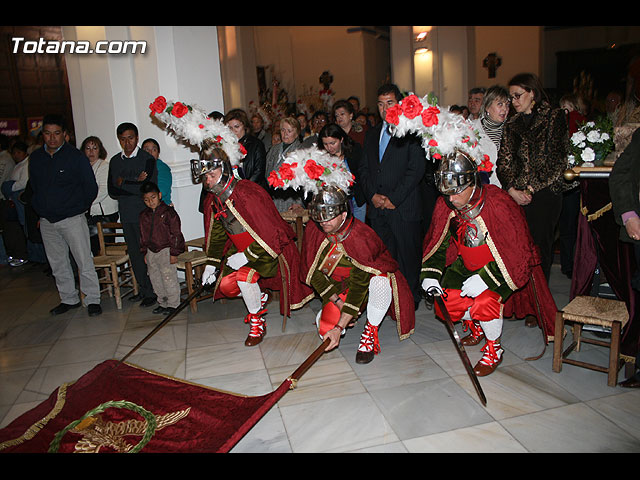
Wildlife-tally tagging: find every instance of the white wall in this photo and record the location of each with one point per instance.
(180, 63)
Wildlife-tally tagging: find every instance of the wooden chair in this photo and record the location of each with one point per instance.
(192, 262)
(584, 310)
(115, 272)
(297, 221)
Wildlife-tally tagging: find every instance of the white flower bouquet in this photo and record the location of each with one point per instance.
(591, 143)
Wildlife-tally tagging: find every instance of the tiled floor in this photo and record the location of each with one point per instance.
(414, 397)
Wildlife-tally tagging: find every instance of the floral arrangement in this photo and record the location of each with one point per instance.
(592, 142)
(310, 169)
(192, 124)
(442, 131)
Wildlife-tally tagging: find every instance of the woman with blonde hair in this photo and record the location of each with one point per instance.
(290, 132)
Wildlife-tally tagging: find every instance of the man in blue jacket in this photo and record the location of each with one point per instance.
(64, 188)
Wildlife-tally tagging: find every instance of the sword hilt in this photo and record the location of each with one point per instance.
(431, 293)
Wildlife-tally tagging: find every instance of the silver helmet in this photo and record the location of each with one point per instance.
(456, 172)
(212, 158)
(328, 203)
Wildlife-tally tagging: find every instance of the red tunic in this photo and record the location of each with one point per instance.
(365, 249)
(255, 210)
(513, 249)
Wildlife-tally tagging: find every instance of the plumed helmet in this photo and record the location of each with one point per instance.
(211, 158)
(328, 203)
(456, 172)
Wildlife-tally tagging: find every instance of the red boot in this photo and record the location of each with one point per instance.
(490, 360)
(475, 336)
(257, 328)
(369, 344)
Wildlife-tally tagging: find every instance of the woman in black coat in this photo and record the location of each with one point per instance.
(253, 164)
(334, 140)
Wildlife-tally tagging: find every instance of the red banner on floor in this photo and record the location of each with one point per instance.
(129, 409)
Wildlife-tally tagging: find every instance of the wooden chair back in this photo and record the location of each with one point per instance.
(111, 238)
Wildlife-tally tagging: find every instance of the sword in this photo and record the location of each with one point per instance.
(166, 320)
(432, 295)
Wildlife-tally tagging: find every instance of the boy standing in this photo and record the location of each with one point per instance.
(161, 241)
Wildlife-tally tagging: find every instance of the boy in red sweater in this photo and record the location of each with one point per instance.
(161, 241)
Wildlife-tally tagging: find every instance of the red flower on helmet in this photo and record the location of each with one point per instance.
(393, 114)
(179, 110)
(158, 105)
(274, 180)
(486, 165)
(313, 169)
(430, 116)
(286, 172)
(411, 106)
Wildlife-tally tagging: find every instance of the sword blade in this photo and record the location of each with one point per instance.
(460, 348)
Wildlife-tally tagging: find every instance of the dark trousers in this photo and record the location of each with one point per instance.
(404, 241)
(132, 237)
(15, 240)
(543, 214)
(569, 229)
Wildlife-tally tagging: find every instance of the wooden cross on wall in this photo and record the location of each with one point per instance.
(492, 62)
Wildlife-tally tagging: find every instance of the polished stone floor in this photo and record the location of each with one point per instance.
(414, 397)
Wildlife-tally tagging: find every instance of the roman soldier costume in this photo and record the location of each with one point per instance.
(480, 256)
(351, 263)
(250, 248)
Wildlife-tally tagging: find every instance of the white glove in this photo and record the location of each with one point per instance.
(473, 286)
(427, 283)
(209, 275)
(237, 260)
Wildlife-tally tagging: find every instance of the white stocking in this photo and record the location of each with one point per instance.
(492, 329)
(379, 299)
(251, 295)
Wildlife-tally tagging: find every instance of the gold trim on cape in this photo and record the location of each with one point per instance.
(248, 228)
(441, 239)
(496, 254)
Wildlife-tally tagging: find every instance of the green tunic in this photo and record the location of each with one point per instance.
(357, 284)
(456, 273)
(257, 257)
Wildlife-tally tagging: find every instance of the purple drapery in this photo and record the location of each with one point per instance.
(598, 239)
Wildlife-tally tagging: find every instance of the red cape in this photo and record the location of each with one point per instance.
(255, 210)
(368, 252)
(512, 247)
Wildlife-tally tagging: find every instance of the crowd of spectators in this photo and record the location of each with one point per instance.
(525, 130)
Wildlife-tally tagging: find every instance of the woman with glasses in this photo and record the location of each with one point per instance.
(532, 160)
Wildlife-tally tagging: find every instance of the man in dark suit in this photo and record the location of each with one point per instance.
(392, 174)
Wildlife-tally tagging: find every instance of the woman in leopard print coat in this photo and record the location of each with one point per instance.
(532, 160)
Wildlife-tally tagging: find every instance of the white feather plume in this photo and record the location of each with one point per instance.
(441, 130)
(310, 169)
(195, 126)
